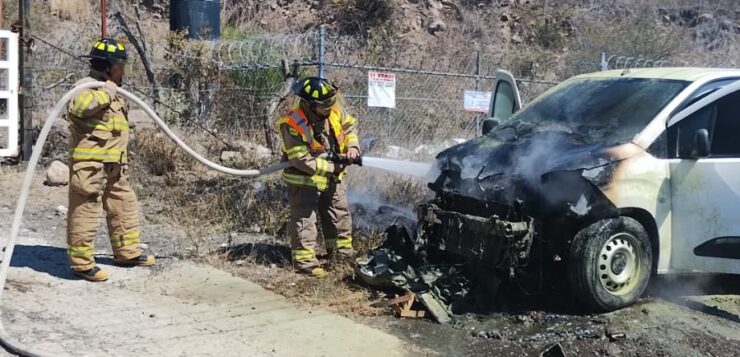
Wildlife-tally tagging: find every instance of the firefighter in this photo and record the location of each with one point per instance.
(315, 129)
(98, 168)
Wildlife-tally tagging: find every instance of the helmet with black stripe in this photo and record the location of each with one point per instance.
(108, 50)
(316, 91)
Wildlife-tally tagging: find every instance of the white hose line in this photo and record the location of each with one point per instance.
(7, 254)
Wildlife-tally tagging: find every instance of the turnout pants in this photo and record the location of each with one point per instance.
(330, 207)
(95, 187)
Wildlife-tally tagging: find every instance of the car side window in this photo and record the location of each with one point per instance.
(725, 139)
(681, 135)
(705, 90)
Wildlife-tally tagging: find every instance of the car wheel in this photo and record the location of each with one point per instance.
(609, 264)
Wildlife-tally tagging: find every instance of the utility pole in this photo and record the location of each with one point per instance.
(104, 18)
(25, 97)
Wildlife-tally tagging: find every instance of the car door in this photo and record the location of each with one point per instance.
(705, 186)
(505, 98)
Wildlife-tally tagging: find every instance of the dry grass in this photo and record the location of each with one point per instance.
(159, 154)
(72, 10)
(268, 264)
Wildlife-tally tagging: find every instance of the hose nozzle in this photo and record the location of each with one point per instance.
(343, 159)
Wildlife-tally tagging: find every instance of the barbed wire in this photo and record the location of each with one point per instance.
(622, 62)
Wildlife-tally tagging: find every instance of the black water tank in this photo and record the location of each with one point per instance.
(201, 18)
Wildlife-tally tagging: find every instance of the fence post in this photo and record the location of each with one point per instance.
(322, 44)
(477, 88)
(604, 65)
(25, 100)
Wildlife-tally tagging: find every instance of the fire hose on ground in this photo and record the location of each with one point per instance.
(404, 167)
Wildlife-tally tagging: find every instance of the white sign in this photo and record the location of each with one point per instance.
(381, 89)
(476, 101)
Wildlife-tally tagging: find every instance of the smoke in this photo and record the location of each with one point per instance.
(492, 169)
(371, 212)
(671, 287)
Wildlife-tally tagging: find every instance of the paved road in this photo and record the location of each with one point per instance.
(177, 309)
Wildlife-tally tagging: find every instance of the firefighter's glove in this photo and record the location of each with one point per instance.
(339, 167)
(111, 88)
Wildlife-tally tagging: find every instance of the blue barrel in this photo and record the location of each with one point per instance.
(201, 18)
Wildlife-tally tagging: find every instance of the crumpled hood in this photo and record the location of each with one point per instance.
(492, 169)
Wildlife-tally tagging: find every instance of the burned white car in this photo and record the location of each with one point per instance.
(601, 182)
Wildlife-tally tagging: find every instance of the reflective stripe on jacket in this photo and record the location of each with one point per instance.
(300, 146)
(98, 124)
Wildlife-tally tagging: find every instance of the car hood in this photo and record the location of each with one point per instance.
(493, 169)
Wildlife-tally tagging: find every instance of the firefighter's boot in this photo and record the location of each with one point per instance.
(317, 272)
(141, 261)
(95, 274)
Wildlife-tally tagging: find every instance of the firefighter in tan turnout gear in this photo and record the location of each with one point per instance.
(315, 134)
(98, 168)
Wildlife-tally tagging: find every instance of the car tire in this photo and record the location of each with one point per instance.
(610, 263)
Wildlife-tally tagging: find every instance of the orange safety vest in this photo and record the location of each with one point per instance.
(298, 121)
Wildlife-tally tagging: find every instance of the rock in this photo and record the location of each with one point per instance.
(437, 26)
(57, 174)
(240, 262)
(200, 149)
(138, 118)
(524, 320)
(231, 156)
(258, 151)
(262, 152)
(705, 18)
(61, 210)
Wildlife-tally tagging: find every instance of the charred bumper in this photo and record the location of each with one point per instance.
(501, 243)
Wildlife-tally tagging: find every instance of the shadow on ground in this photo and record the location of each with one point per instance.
(678, 290)
(49, 260)
(43, 259)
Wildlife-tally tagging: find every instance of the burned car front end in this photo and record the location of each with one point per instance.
(517, 201)
(514, 199)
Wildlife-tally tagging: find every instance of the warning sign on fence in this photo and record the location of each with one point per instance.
(476, 101)
(381, 89)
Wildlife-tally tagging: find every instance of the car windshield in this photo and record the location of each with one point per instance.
(595, 110)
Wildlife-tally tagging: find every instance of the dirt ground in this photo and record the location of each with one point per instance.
(181, 308)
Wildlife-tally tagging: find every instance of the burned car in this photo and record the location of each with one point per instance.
(601, 182)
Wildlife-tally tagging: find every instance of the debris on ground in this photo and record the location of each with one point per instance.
(394, 266)
(555, 350)
(404, 306)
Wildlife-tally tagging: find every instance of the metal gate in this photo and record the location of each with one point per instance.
(9, 113)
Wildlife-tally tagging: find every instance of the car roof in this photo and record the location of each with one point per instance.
(676, 73)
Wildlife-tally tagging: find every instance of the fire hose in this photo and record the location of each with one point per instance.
(7, 253)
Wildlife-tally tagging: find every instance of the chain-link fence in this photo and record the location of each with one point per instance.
(237, 88)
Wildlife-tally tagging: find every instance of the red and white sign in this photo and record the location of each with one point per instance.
(381, 89)
(478, 102)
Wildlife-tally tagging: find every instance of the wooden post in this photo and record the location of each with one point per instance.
(25, 97)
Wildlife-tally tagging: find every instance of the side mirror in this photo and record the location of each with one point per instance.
(701, 144)
(488, 125)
